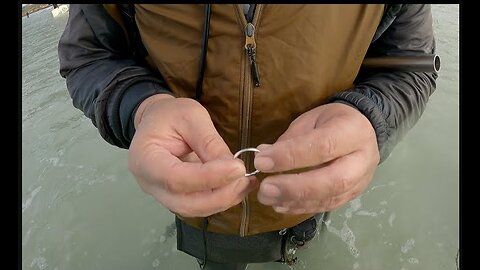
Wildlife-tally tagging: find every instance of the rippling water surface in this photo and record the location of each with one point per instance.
(81, 208)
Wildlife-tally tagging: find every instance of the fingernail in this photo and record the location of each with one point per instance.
(281, 209)
(270, 190)
(237, 172)
(264, 146)
(263, 163)
(225, 157)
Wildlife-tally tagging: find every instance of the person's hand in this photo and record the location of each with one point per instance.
(178, 157)
(336, 149)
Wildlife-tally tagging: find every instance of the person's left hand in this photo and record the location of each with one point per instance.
(336, 148)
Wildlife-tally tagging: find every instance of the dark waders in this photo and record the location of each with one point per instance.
(217, 251)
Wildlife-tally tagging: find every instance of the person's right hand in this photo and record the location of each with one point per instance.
(178, 157)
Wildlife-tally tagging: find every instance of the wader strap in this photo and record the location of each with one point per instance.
(203, 262)
(299, 236)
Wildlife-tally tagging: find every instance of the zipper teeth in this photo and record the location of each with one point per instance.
(247, 98)
(245, 219)
(244, 138)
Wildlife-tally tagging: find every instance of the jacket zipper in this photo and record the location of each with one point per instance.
(250, 72)
(251, 50)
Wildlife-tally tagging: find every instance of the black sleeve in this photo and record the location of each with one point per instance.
(103, 79)
(394, 101)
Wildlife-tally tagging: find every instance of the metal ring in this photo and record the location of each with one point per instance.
(247, 150)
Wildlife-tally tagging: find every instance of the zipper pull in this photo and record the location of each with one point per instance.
(250, 49)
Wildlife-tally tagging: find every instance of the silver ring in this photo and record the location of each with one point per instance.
(247, 150)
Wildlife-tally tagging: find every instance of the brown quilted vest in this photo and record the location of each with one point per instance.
(304, 54)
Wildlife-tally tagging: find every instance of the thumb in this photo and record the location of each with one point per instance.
(199, 132)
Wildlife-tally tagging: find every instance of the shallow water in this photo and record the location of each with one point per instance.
(82, 209)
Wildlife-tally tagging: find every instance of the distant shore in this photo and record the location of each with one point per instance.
(34, 8)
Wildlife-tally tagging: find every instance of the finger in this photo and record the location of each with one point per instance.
(326, 182)
(200, 134)
(161, 167)
(190, 157)
(320, 205)
(301, 125)
(316, 147)
(205, 203)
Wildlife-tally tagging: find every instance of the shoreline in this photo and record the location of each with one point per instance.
(34, 8)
